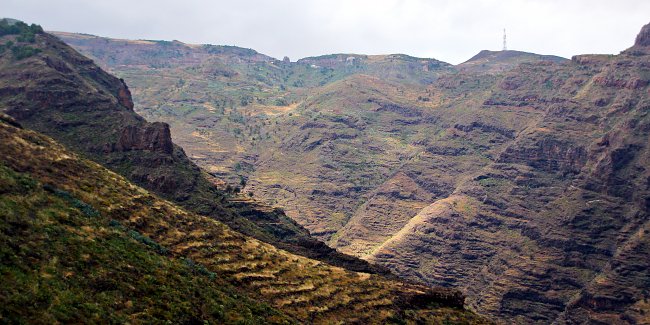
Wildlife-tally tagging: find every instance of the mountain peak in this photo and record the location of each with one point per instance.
(500, 61)
(643, 38)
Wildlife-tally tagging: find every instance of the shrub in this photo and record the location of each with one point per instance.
(199, 268)
(149, 242)
(18, 28)
(23, 52)
(85, 208)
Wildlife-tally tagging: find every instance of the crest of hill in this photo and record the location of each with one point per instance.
(157, 52)
(497, 61)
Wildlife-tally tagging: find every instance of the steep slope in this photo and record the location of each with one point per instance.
(49, 87)
(554, 227)
(63, 260)
(81, 243)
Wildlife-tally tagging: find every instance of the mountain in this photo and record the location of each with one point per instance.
(80, 243)
(519, 178)
(49, 87)
(83, 244)
(500, 61)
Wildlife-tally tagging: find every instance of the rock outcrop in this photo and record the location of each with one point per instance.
(643, 38)
(153, 137)
(124, 96)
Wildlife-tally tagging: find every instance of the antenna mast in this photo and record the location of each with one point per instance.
(505, 46)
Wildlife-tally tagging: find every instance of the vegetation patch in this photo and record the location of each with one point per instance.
(84, 207)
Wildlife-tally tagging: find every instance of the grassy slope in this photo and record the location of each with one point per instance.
(62, 260)
(82, 243)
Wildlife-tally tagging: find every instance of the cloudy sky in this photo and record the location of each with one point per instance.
(448, 30)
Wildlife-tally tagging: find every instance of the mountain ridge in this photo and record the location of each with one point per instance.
(68, 204)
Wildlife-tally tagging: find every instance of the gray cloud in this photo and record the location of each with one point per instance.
(447, 30)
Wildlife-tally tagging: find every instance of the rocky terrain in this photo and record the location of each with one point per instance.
(519, 178)
(81, 243)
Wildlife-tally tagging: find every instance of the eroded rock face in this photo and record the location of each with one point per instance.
(124, 96)
(548, 154)
(153, 137)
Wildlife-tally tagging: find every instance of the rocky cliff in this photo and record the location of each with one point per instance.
(153, 137)
(643, 39)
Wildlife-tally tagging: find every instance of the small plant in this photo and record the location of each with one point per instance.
(115, 224)
(85, 208)
(199, 268)
(23, 52)
(148, 241)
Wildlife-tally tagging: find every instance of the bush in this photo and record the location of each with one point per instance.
(27, 33)
(85, 208)
(148, 241)
(23, 52)
(199, 268)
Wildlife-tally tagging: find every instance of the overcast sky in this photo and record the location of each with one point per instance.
(448, 30)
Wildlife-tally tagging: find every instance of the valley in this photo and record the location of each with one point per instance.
(518, 178)
(115, 224)
(147, 181)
